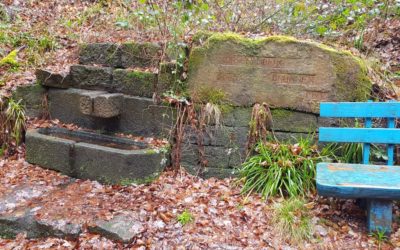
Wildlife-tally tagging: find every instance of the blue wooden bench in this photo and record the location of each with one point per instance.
(378, 185)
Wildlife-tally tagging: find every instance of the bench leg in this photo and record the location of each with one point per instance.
(379, 215)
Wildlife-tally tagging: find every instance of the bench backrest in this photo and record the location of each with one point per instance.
(366, 135)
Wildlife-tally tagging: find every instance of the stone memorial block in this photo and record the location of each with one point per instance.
(282, 71)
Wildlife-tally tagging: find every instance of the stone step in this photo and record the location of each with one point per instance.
(125, 55)
(125, 81)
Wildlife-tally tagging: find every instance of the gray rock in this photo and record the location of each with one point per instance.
(215, 157)
(292, 121)
(61, 228)
(133, 82)
(101, 104)
(236, 117)
(140, 55)
(167, 77)
(282, 71)
(107, 54)
(55, 80)
(122, 228)
(207, 172)
(24, 220)
(19, 221)
(107, 105)
(91, 77)
(218, 136)
(31, 97)
(293, 137)
(141, 116)
(86, 101)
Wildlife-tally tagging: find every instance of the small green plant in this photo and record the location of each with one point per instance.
(15, 119)
(293, 221)
(380, 237)
(10, 60)
(282, 169)
(185, 218)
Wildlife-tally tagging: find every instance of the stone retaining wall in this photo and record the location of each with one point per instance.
(107, 91)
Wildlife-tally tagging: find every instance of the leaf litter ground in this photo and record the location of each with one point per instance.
(223, 217)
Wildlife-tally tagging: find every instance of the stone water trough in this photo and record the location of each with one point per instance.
(88, 155)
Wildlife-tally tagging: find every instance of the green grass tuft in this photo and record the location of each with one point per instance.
(293, 221)
(185, 218)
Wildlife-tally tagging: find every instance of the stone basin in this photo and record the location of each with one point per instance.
(88, 155)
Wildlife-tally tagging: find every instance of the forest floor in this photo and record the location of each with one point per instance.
(223, 218)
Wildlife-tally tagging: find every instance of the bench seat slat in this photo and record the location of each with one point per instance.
(360, 109)
(358, 181)
(362, 135)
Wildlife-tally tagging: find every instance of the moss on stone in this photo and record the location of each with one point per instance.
(360, 87)
(281, 113)
(212, 95)
(139, 75)
(352, 82)
(150, 152)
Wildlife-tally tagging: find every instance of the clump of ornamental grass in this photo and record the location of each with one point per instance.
(282, 169)
(293, 221)
(12, 123)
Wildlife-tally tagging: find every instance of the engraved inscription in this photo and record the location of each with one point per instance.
(293, 78)
(248, 60)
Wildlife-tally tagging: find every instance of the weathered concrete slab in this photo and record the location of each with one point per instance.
(140, 54)
(31, 97)
(91, 77)
(282, 71)
(122, 228)
(107, 54)
(51, 79)
(134, 82)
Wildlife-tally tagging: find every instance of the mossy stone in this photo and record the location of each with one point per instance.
(140, 54)
(280, 70)
(106, 54)
(293, 121)
(31, 97)
(134, 82)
